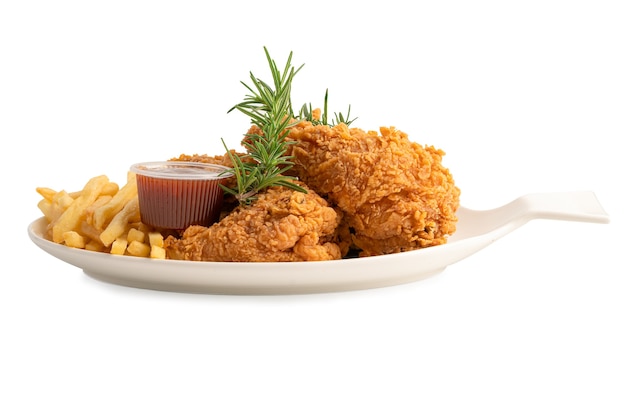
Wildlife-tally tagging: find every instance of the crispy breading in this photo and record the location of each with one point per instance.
(223, 160)
(395, 194)
(280, 225)
(392, 195)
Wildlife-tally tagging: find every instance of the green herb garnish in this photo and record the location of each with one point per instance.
(270, 109)
(306, 113)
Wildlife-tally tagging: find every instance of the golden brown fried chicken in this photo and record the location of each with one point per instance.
(280, 225)
(395, 194)
(223, 160)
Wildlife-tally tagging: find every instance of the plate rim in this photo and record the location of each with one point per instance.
(253, 278)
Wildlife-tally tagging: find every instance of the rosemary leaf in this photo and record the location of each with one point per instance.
(270, 109)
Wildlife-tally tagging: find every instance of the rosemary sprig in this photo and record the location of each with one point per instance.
(306, 113)
(270, 109)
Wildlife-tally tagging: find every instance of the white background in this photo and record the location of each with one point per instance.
(524, 96)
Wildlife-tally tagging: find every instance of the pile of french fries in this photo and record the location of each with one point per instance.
(101, 217)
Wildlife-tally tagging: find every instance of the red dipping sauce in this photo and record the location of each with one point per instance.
(175, 195)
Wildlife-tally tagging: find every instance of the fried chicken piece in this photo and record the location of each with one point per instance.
(280, 225)
(223, 160)
(395, 194)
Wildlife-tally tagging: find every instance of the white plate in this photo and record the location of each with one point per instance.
(475, 230)
(252, 278)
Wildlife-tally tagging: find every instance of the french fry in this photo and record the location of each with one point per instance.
(102, 200)
(101, 217)
(63, 200)
(135, 235)
(105, 213)
(73, 239)
(110, 189)
(94, 245)
(155, 238)
(157, 252)
(72, 216)
(138, 249)
(46, 193)
(87, 224)
(143, 227)
(60, 202)
(88, 230)
(119, 223)
(119, 246)
(45, 206)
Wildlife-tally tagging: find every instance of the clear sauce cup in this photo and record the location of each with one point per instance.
(174, 195)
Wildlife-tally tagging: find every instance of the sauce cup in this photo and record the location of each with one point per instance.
(174, 195)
